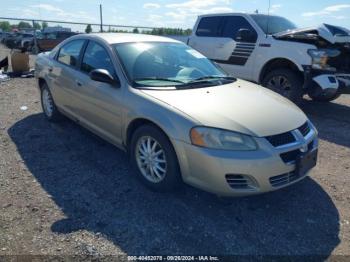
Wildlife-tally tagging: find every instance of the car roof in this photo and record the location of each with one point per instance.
(225, 14)
(237, 13)
(115, 38)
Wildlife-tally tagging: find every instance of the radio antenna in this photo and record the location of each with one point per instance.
(268, 19)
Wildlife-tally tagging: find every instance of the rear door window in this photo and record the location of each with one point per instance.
(209, 26)
(70, 52)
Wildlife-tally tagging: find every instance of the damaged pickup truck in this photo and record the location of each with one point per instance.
(271, 51)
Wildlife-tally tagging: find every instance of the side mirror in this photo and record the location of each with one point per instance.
(245, 35)
(102, 75)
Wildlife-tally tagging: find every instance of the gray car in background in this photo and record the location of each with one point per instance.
(177, 114)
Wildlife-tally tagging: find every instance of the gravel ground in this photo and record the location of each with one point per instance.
(65, 192)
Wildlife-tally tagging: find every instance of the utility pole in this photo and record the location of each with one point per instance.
(35, 47)
(101, 18)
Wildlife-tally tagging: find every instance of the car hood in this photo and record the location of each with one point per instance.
(313, 33)
(241, 106)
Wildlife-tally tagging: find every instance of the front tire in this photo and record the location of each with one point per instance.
(154, 159)
(48, 105)
(286, 83)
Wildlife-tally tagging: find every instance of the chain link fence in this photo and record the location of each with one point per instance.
(36, 35)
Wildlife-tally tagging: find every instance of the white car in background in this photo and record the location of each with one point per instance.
(271, 51)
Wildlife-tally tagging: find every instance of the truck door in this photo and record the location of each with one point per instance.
(206, 35)
(235, 49)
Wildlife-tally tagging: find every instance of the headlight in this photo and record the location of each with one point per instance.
(221, 139)
(319, 58)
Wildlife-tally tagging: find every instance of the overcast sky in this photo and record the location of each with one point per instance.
(175, 13)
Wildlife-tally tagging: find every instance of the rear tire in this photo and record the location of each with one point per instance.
(48, 105)
(286, 83)
(155, 164)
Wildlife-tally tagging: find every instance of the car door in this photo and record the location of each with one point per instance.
(206, 35)
(235, 49)
(62, 72)
(99, 104)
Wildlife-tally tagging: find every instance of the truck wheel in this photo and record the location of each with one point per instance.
(286, 83)
(154, 160)
(323, 97)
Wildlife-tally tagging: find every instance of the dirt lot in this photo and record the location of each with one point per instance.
(63, 191)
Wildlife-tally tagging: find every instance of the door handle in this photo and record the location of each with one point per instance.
(50, 69)
(78, 83)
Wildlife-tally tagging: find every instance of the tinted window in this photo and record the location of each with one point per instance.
(96, 57)
(233, 24)
(69, 53)
(273, 24)
(209, 26)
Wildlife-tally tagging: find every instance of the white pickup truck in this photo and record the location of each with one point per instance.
(271, 51)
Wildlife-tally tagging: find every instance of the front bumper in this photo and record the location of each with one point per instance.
(344, 82)
(324, 80)
(227, 173)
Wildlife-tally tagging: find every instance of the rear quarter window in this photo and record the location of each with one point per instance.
(209, 26)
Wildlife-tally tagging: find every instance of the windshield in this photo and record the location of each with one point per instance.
(273, 24)
(166, 64)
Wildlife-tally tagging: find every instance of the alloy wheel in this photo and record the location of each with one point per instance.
(47, 102)
(151, 159)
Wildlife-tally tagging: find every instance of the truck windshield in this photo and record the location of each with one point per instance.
(167, 64)
(273, 24)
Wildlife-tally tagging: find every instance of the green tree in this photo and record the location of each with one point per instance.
(5, 26)
(135, 31)
(24, 25)
(37, 26)
(188, 31)
(44, 25)
(88, 29)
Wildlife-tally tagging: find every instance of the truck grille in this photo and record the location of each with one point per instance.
(342, 61)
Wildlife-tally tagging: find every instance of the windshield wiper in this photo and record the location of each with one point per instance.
(206, 78)
(160, 79)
